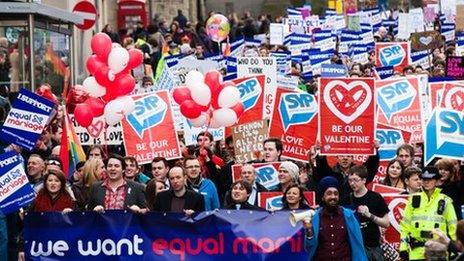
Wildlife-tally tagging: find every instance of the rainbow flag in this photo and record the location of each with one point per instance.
(71, 151)
(59, 66)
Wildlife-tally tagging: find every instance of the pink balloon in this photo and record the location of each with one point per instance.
(96, 105)
(135, 59)
(181, 94)
(190, 109)
(93, 64)
(101, 45)
(83, 114)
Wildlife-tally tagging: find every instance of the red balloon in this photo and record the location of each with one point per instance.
(83, 114)
(135, 58)
(101, 45)
(215, 96)
(123, 85)
(101, 76)
(238, 109)
(75, 96)
(181, 94)
(93, 64)
(96, 105)
(214, 80)
(190, 109)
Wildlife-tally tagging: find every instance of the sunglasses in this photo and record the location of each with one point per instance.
(53, 162)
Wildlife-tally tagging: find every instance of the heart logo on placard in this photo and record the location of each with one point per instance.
(455, 99)
(347, 101)
(395, 215)
(426, 40)
(96, 128)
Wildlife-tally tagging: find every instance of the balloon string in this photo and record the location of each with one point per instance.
(105, 144)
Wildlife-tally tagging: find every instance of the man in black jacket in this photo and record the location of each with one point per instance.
(179, 199)
(340, 170)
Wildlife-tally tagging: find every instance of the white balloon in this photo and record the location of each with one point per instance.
(224, 117)
(114, 111)
(228, 97)
(118, 59)
(200, 121)
(91, 86)
(201, 94)
(193, 77)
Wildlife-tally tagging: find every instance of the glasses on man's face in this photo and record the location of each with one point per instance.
(193, 167)
(53, 162)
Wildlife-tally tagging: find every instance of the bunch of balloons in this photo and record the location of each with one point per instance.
(105, 92)
(207, 100)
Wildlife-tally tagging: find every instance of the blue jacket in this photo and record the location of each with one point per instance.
(209, 192)
(354, 234)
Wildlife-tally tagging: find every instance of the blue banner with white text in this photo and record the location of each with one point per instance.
(119, 235)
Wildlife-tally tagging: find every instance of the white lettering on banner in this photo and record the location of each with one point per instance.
(34, 103)
(249, 66)
(107, 247)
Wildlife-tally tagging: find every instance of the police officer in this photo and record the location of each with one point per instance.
(426, 210)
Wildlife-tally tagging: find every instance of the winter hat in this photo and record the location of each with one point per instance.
(292, 169)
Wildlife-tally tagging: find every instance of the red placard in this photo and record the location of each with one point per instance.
(252, 96)
(149, 130)
(295, 121)
(347, 116)
(453, 97)
(400, 105)
(396, 204)
(435, 93)
(273, 200)
(88, 11)
(392, 54)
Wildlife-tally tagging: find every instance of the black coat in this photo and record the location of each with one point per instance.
(135, 195)
(193, 200)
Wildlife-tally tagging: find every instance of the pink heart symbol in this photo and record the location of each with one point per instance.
(96, 128)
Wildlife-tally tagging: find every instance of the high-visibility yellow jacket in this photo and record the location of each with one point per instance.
(418, 222)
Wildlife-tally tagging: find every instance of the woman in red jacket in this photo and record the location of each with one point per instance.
(53, 196)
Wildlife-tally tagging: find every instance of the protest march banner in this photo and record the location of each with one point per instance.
(444, 135)
(15, 189)
(149, 130)
(266, 173)
(455, 67)
(384, 72)
(390, 138)
(272, 200)
(453, 97)
(163, 236)
(346, 116)
(191, 132)
(392, 54)
(26, 120)
(248, 140)
(294, 121)
(98, 133)
(426, 40)
(400, 105)
(251, 66)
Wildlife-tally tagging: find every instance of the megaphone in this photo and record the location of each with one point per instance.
(297, 217)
